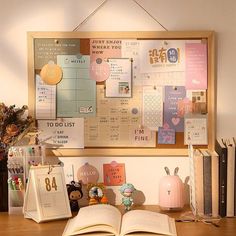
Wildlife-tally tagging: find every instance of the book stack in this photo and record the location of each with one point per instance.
(215, 180)
(206, 177)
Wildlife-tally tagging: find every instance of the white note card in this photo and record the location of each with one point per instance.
(119, 82)
(195, 130)
(62, 132)
(45, 100)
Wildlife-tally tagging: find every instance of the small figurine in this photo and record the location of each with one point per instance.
(74, 190)
(126, 190)
(96, 194)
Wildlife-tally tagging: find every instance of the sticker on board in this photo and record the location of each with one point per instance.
(99, 70)
(51, 73)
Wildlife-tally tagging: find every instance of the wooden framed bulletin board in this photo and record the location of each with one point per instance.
(136, 93)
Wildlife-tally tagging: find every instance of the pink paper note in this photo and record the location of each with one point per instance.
(114, 174)
(196, 66)
(100, 51)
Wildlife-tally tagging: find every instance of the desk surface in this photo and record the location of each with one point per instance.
(16, 225)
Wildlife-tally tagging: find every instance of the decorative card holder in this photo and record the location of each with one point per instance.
(46, 195)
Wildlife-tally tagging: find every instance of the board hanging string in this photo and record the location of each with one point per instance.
(90, 15)
(104, 2)
(154, 18)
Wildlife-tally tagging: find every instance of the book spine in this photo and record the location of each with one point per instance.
(235, 181)
(222, 152)
(207, 185)
(198, 168)
(215, 184)
(230, 180)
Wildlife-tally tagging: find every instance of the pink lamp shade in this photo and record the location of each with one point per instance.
(171, 194)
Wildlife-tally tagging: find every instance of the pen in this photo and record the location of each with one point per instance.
(211, 222)
(30, 151)
(9, 181)
(21, 169)
(33, 151)
(40, 150)
(13, 185)
(21, 186)
(21, 152)
(187, 220)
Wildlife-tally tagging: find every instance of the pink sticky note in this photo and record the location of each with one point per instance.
(196, 66)
(104, 49)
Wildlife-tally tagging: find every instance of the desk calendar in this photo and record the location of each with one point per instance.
(46, 195)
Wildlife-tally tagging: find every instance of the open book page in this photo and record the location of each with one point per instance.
(148, 222)
(94, 219)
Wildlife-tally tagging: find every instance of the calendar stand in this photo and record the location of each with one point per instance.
(46, 195)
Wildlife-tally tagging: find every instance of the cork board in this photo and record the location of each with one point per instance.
(45, 46)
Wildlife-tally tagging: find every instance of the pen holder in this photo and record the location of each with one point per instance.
(171, 195)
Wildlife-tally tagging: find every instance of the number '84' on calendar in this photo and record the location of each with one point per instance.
(50, 183)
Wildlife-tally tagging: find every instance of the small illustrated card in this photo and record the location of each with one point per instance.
(196, 95)
(195, 130)
(198, 98)
(184, 107)
(114, 174)
(166, 135)
(174, 94)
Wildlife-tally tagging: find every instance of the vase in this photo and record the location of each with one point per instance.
(3, 184)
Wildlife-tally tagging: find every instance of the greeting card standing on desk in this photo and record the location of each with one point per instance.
(46, 195)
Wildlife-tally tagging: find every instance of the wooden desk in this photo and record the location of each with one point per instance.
(16, 225)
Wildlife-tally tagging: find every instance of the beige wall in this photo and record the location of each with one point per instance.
(19, 16)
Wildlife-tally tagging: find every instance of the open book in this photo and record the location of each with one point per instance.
(107, 220)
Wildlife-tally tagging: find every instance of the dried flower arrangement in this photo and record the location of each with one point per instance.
(13, 126)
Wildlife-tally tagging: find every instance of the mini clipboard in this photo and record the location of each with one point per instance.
(46, 195)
